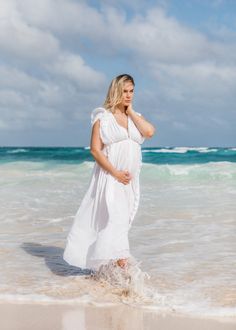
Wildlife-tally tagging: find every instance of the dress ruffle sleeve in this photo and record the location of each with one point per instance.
(97, 113)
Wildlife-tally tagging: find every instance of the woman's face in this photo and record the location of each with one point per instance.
(128, 92)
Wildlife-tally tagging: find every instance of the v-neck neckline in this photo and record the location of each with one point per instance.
(126, 129)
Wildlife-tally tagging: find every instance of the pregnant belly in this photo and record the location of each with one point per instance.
(125, 155)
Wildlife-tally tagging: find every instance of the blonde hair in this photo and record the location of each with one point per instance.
(115, 91)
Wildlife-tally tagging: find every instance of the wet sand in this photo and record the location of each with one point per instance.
(19, 316)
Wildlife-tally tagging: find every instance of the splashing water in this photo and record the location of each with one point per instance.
(130, 283)
(130, 280)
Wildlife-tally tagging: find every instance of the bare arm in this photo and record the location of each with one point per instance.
(96, 146)
(145, 127)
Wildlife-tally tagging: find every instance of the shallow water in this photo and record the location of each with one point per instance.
(183, 235)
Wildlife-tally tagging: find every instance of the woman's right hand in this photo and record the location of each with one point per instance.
(123, 176)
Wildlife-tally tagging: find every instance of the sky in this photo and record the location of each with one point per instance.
(58, 57)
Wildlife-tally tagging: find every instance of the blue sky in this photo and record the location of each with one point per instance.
(57, 58)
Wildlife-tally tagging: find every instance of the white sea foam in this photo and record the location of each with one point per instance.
(205, 171)
(130, 279)
(15, 151)
(181, 150)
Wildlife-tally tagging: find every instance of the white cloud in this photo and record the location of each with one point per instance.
(17, 38)
(152, 35)
(10, 98)
(47, 79)
(27, 101)
(16, 79)
(74, 68)
(199, 82)
(42, 84)
(62, 16)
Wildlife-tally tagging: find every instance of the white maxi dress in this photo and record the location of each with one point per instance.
(100, 229)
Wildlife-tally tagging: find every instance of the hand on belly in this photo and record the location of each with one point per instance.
(123, 176)
(128, 175)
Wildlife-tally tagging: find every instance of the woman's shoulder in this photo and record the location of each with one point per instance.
(98, 113)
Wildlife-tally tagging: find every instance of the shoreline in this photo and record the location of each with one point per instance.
(37, 316)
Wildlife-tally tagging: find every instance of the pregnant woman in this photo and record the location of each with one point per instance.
(99, 233)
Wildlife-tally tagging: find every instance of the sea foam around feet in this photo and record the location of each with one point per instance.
(129, 279)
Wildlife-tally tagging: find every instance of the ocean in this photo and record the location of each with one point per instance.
(183, 235)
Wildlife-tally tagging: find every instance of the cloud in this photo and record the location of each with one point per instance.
(62, 16)
(26, 101)
(151, 35)
(57, 55)
(16, 79)
(73, 67)
(42, 83)
(17, 38)
(203, 82)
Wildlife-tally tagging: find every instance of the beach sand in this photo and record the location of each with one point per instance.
(19, 316)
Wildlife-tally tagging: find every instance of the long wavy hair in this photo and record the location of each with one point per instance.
(115, 91)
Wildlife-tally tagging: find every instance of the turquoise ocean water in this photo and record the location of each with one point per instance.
(160, 155)
(183, 233)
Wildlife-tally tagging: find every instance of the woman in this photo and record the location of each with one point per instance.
(100, 228)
